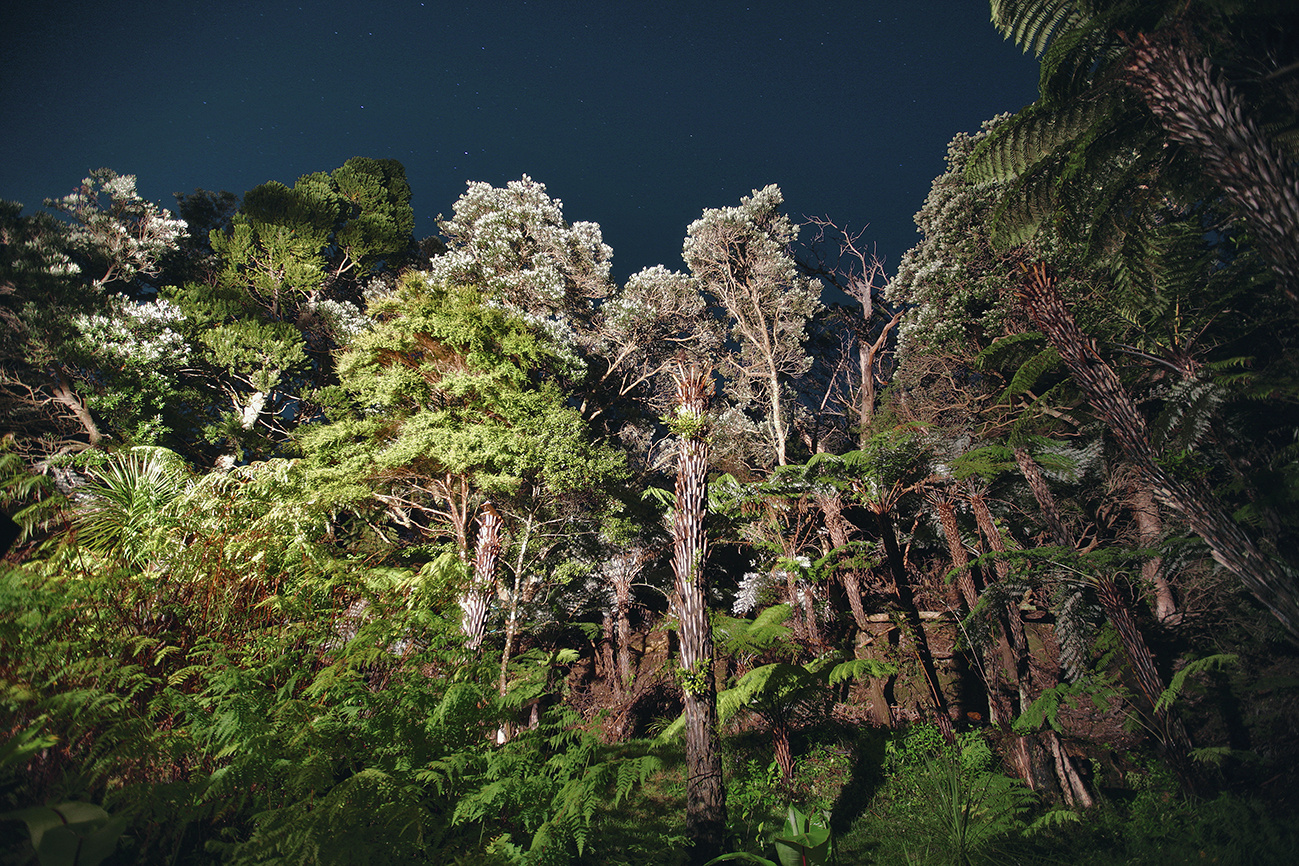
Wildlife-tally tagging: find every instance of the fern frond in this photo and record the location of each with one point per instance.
(1028, 373)
(1026, 141)
(1189, 408)
(988, 358)
(1077, 617)
(1031, 24)
(1215, 662)
(860, 669)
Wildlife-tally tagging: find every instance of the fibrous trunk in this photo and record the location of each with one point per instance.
(705, 796)
(473, 603)
(1141, 661)
(1202, 511)
(1201, 110)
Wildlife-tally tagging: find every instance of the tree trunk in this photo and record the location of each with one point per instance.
(1202, 511)
(705, 795)
(778, 429)
(956, 549)
(916, 629)
(1201, 110)
(473, 603)
(1001, 663)
(783, 750)
(831, 505)
(1141, 660)
(1009, 689)
(622, 573)
(1149, 527)
(66, 395)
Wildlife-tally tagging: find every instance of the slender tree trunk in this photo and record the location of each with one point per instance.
(783, 750)
(705, 795)
(1003, 662)
(1141, 661)
(796, 618)
(1075, 790)
(779, 430)
(808, 598)
(956, 549)
(916, 629)
(831, 505)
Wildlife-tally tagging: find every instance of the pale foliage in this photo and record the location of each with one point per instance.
(741, 256)
(948, 280)
(130, 233)
(514, 244)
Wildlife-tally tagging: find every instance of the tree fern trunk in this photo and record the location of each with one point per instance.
(705, 796)
(1149, 527)
(1141, 661)
(831, 505)
(956, 550)
(473, 603)
(1201, 110)
(783, 750)
(1231, 546)
(622, 575)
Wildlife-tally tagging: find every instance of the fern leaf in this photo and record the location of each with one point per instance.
(860, 669)
(1215, 662)
(1030, 371)
(1030, 24)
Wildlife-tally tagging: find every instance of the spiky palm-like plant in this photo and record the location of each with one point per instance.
(131, 505)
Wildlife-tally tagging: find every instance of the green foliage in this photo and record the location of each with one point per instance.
(1177, 684)
(942, 805)
(1045, 708)
(765, 632)
(775, 691)
(805, 840)
(1155, 827)
(132, 505)
(70, 834)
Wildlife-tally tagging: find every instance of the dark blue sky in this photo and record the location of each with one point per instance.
(636, 114)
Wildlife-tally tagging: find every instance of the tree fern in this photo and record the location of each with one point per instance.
(1023, 144)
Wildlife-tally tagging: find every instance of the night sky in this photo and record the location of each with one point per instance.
(636, 114)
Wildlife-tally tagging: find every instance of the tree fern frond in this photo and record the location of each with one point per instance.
(859, 669)
(1023, 208)
(1028, 373)
(981, 624)
(1030, 24)
(1189, 407)
(1216, 662)
(1030, 420)
(1024, 142)
(1077, 617)
(986, 360)
(1072, 60)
